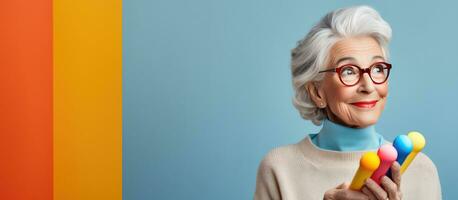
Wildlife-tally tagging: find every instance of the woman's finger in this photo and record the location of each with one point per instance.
(396, 174)
(376, 189)
(368, 193)
(350, 194)
(390, 187)
(343, 192)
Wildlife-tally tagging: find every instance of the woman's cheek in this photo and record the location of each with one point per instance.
(343, 112)
(383, 91)
(343, 97)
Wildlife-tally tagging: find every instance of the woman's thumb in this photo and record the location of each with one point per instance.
(343, 186)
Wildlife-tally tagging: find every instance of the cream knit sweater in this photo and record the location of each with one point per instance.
(304, 171)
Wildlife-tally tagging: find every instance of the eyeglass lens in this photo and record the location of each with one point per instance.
(351, 74)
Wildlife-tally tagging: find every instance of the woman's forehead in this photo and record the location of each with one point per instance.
(356, 49)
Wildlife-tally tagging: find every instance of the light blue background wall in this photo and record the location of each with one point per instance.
(207, 90)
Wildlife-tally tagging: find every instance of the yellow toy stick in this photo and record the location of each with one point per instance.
(368, 164)
(418, 142)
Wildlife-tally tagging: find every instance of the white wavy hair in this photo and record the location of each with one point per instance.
(312, 52)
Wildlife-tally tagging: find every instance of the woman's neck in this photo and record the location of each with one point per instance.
(337, 137)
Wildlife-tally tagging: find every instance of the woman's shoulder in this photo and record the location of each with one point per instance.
(421, 179)
(423, 163)
(280, 155)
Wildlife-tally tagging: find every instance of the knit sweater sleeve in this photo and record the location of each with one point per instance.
(421, 180)
(435, 185)
(267, 186)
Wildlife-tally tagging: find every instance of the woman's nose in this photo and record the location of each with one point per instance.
(366, 84)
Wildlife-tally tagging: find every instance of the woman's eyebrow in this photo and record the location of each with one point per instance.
(378, 57)
(354, 60)
(344, 59)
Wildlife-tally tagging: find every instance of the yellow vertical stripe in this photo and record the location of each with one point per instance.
(87, 99)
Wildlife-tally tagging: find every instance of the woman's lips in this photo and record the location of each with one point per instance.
(365, 104)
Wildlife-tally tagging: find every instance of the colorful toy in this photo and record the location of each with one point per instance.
(404, 150)
(367, 165)
(387, 154)
(418, 143)
(403, 146)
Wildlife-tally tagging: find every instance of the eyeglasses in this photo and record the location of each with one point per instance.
(351, 74)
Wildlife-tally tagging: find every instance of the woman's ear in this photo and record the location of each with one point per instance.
(315, 94)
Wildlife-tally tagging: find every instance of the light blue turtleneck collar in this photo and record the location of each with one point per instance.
(337, 137)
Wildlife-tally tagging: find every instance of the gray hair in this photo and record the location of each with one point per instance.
(311, 53)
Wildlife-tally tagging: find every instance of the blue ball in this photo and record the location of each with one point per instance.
(404, 146)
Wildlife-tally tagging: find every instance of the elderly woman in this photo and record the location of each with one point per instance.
(340, 75)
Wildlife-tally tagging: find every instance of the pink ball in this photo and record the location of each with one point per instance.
(387, 153)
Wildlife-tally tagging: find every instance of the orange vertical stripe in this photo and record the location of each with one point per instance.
(26, 99)
(87, 100)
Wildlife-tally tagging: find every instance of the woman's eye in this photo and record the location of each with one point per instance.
(377, 69)
(348, 71)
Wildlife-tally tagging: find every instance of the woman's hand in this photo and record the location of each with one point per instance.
(391, 188)
(343, 192)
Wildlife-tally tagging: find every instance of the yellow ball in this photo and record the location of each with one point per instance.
(418, 140)
(370, 161)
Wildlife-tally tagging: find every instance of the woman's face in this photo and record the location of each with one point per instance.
(344, 104)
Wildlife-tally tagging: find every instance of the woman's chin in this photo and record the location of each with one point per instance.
(366, 116)
(366, 120)
(362, 119)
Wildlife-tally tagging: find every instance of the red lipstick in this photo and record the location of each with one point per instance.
(365, 104)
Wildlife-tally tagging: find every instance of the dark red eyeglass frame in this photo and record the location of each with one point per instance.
(361, 72)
